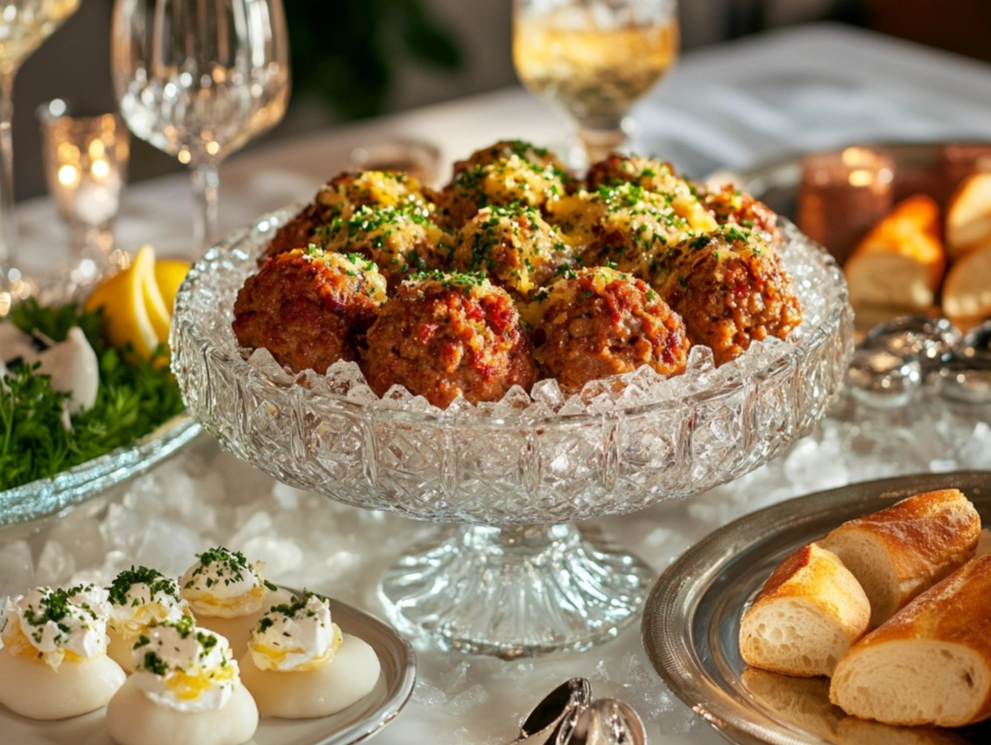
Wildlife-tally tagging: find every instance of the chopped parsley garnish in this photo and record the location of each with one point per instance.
(156, 581)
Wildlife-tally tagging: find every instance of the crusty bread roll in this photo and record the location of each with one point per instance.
(904, 549)
(805, 617)
(967, 291)
(928, 664)
(968, 215)
(900, 262)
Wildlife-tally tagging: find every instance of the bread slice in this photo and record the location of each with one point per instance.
(900, 551)
(968, 215)
(900, 262)
(930, 663)
(967, 292)
(805, 617)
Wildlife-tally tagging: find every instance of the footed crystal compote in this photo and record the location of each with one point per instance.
(512, 576)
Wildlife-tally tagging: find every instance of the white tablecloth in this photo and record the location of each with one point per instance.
(733, 105)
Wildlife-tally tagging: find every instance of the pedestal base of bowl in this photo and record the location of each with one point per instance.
(516, 591)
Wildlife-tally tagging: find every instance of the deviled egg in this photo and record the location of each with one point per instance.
(228, 594)
(185, 691)
(53, 653)
(140, 597)
(299, 665)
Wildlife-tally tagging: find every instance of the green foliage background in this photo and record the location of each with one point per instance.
(347, 52)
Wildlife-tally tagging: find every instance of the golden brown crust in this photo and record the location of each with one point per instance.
(927, 536)
(955, 611)
(731, 289)
(449, 336)
(307, 308)
(600, 322)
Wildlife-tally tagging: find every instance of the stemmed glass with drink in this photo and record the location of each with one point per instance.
(595, 58)
(24, 24)
(198, 79)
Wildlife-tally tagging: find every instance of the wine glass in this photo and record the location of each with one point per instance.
(24, 24)
(198, 79)
(595, 58)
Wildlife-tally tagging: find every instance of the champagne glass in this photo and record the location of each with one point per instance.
(24, 24)
(595, 58)
(198, 79)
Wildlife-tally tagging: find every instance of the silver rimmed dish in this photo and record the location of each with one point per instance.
(516, 577)
(357, 723)
(88, 480)
(691, 621)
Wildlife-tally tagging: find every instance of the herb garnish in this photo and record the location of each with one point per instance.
(135, 396)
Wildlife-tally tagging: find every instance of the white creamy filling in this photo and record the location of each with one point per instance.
(298, 636)
(222, 583)
(184, 667)
(50, 623)
(142, 607)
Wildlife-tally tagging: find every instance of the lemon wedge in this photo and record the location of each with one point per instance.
(169, 274)
(135, 309)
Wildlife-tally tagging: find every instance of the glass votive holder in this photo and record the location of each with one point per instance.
(417, 158)
(85, 152)
(842, 194)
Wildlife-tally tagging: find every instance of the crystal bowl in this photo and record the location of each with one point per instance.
(516, 578)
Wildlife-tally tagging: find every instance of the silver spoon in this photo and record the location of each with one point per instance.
(557, 712)
(608, 722)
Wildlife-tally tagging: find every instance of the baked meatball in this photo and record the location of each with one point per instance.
(598, 322)
(340, 197)
(309, 308)
(500, 176)
(733, 207)
(447, 335)
(400, 240)
(730, 288)
(514, 246)
(654, 176)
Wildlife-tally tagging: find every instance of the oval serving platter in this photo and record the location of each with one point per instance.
(358, 722)
(691, 621)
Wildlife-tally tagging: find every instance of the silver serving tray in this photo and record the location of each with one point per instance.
(691, 621)
(358, 722)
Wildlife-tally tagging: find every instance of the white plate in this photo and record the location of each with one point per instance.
(356, 723)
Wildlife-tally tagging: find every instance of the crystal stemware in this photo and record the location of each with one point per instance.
(199, 79)
(24, 24)
(595, 58)
(510, 574)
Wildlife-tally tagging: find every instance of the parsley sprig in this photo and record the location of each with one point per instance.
(135, 396)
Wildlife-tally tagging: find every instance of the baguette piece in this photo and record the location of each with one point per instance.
(902, 550)
(930, 663)
(967, 292)
(900, 262)
(805, 617)
(968, 215)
